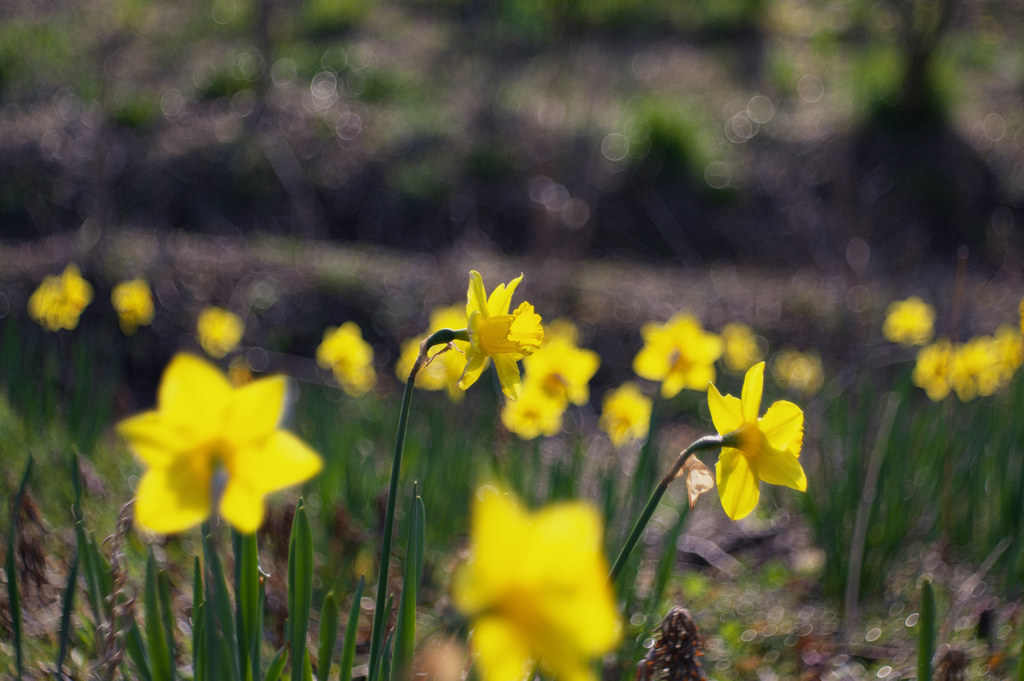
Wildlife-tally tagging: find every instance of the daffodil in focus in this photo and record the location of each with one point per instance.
(536, 587)
(535, 413)
(560, 368)
(798, 371)
(909, 322)
(755, 449)
(496, 335)
(1010, 346)
(219, 331)
(933, 369)
(133, 303)
(344, 352)
(679, 353)
(742, 348)
(59, 301)
(626, 414)
(209, 446)
(446, 364)
(976, 369)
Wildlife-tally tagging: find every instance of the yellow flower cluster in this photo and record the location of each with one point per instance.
(59, 301)
(977, 368)
(800, 372)
(133, 303)
(219, 331)
(344, 352)
(557, 374)
(679, 354)
(909, 322)
(446, 364)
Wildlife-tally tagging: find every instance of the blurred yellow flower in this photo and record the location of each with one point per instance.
(59, 301)
(755, 449)
(1010, 345)
(679, 353)
(219, 331)
(239, 372)
(209, 444)
(562, 369)
(933, 369)
(977, 369)
(133, 303)
(626, 414)
(536, 587)
(535, 413)
(496, 334)
(742, 348)
(1020, 311)
(445, 370)
(798, 371)
(909, 322)
(344, 352)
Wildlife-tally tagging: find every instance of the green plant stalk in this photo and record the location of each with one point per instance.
(926, 635)
(441, 337)
(12, 569)
(300, 587)
(405, 627)
(701, 445)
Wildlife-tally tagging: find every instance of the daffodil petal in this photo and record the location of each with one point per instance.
(753, 386)
(152, 438)
(673, 383)
(242, 506)
(508, 375)
(476, 362)
(737, 483)
(282, 461)
(650, 363)
(781, 468)
(726, 411)
(256, 409)
(501, 297)
(783, 426)
(194, 395)
(504, 653)
(172, 499)
(476, 299)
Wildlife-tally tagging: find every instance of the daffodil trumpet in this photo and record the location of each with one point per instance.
(702, 445)
(442, 337)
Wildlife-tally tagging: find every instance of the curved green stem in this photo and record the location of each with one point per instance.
(441, 337)
(703, 444)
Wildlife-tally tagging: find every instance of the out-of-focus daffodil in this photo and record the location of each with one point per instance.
(133, 303)
(560, 368)
(209, 444)
(934, 367)
(239, 372)
(535, 413)
(798, 371)
(909, 322)
(626, 414)
(59, 301)
(446, 365)
(679, 353)
(219, 331)
(742, 348)
(344, 352)
(1010, 345)
(536, 586)
(977, 368)
(497, 335)
(755, 449)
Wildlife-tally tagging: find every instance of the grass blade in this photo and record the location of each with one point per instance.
(300, 586)
(405, 627)
(66, 608)
(247, 602)
(277, 665)
(198, 650)
(375, 663)
(14, 597)
(156, 640)
(348, 650)
(136, 649)
(328, 636)
(163, 586)
(220, 607)
(926, 634)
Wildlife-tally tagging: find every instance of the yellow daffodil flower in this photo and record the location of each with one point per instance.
(446, 365)
(1010, 345)
(798, 371)
(755, 449)
(209, 446)
(495, 334)
(976, 369)
(742, 348)
(909, 322)
(344, 352)
(133, 303)
(679, 353)
(59, 301)
(1020, 311)
(933, 369)
(535, 413)
(562, 369)
(536, 586)
(219, 331)
(626, 414)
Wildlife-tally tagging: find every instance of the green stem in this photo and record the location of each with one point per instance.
(441, 337)
(703, 444)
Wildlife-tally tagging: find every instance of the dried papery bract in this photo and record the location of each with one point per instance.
(673, 657)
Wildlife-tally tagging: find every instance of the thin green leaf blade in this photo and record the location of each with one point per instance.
(277, 665)
(156, 641)
(300, 586)
(66, 609)
(348, 651)
(329, 625)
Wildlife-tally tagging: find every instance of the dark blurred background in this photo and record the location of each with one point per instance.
(871, 134)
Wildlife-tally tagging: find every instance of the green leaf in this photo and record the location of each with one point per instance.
(348, 651)
(307, 667)
(385, 671)
(405, 627)
(300, 585)
(136, 649)
(92, 591)
(156, 641)
(220, 607)
(163, 587)
(926, 634)
(247, 603)
(375, 663)
(328, 636)
(14, 597)
(198, 649)
(66, 608)
(276, 665)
